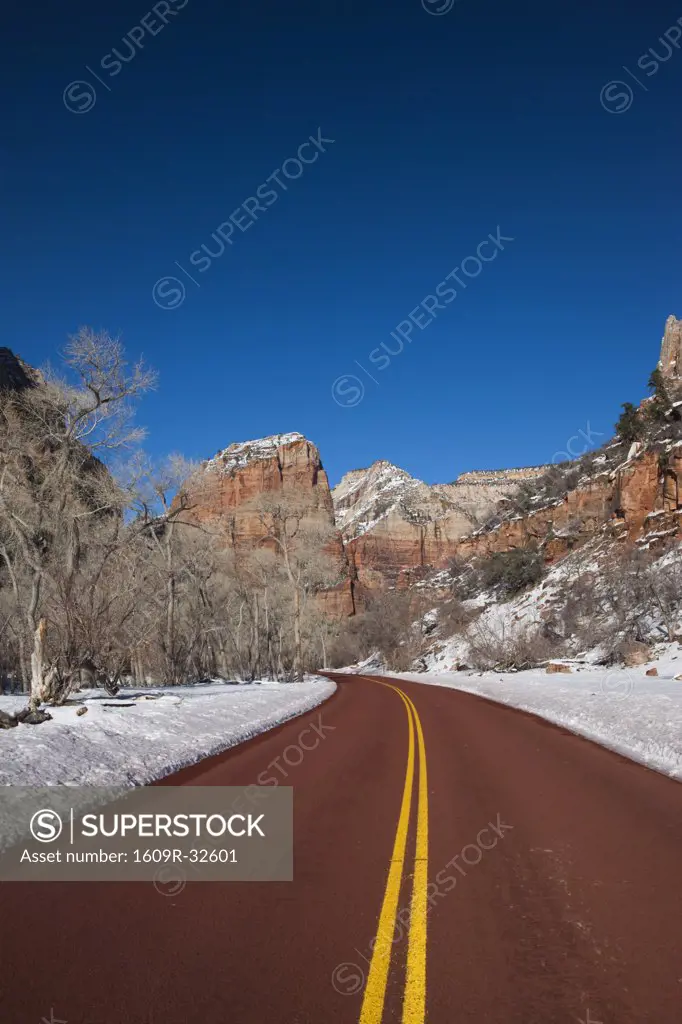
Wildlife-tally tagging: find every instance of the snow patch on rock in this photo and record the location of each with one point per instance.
(365, 496)
(239, 454)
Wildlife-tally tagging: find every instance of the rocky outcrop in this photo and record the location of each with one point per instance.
(477, 494)
(15, 374)
(397, 528)
(224, 495)
(671, 348)
(366, 496)
(397, 552)
(227, 485)
(16, 377)
(639, 501)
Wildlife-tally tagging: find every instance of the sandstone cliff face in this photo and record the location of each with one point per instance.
(397, 552)
(396, 528)
(223, 493)
(671, 348)
(236, 476)
(639, 501)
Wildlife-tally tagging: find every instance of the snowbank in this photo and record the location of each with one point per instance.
(625, 710)
(116, 744)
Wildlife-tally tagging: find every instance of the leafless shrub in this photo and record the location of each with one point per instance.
(503, 650)
(630, 596)
(466, 583)
(390, 624)
(454, 617)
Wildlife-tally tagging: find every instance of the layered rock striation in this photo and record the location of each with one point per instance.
(225, 494)
(638, 501)
(396, 528)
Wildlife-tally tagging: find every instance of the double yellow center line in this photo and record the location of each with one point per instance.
(414, 999)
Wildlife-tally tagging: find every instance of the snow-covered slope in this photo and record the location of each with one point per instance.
(636, 711)
(542, 608)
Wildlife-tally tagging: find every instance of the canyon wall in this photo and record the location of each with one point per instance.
(397, 528)
(638, 501)
(226, 492)
(392, 529)
(383, 528)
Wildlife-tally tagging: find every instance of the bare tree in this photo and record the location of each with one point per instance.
(54, 484)
(290, 528)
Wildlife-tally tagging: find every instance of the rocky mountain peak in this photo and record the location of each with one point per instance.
(671, 348)
(241, 453)
(364, 496)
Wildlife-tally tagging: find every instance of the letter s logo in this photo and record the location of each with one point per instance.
(46, 826)
(348, 390)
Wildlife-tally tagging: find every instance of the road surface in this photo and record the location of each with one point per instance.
(455, 860)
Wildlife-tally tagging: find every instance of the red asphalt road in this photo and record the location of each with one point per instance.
(572, 913)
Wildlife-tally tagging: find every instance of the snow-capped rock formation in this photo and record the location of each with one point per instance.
(365, 496)
(227, 485)
(241, 453)
(224, 495)
(396, 527)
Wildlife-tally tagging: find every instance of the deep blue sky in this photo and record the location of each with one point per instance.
(445, 127)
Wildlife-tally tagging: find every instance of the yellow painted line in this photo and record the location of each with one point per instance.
(414, 999)
(377, 977)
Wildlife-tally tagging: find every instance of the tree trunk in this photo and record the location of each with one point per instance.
(298, 659)
(281, 674)
(170, 628)
(271, 654)
(223, 668)
(256, 630)
(38, 665)
(23, 665)
(138, 668)
(20, 635)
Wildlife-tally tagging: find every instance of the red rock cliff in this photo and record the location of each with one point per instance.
(639, 501)
(222, 494)
(397, 528)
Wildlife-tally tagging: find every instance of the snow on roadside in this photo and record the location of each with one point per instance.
(623, 709)
(118, 745)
